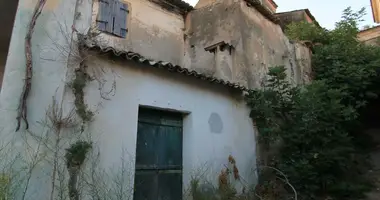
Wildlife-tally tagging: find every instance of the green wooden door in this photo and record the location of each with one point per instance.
(158, 156)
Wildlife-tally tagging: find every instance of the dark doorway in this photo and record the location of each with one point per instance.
(158, 155)
(7, 16)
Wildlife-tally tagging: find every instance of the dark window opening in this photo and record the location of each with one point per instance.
(7, 16)
(221, 45)
(158, 155)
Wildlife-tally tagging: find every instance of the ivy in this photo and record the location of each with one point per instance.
(313, 127)
(77, 85)
(75, 157)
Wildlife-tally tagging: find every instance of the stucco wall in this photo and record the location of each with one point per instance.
(152, 31)
(258, 43)
(157, 34)
(50, 46)
(292, 16)
(140, 85)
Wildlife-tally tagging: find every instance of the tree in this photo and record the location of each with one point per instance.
(316, 123)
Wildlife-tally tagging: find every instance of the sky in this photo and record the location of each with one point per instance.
(326, 12)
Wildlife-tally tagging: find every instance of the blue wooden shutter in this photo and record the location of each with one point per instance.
(104, 19)
(120, 19)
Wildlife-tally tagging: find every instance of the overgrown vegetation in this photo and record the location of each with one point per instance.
(78, 85)
(225, 189)
(75, 157)
(313, 129)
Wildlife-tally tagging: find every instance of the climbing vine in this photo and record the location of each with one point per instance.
(22, 108)
(75, 157)
(312, 129)
(77, 86)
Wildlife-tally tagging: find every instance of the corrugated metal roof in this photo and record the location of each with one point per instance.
(128, 55)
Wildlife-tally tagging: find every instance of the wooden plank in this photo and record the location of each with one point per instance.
(104, 19)
(159, 155)
(120, 19)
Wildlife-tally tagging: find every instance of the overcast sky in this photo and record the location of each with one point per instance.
(327, 12)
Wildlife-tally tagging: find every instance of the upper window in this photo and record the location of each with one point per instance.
(112, 17)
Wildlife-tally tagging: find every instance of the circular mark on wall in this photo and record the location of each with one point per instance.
(215, 123)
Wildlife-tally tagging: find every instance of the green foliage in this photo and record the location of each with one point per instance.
(342, 61)
(76, 154)
(78, 85)
(201, 192)
(206, 191)
(317, 153)
(5, 183)
(304, 31)
(315, 124)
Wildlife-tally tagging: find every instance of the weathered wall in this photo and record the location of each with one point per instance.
(258, 43)
(50, 46)
(370, 36)
(290, 17)
(157, 34)
(271, 5)
(203, 148)
(152, 31)
(116, 120)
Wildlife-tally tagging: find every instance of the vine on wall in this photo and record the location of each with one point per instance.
(77, 86)
(22, 108)
(75, 157)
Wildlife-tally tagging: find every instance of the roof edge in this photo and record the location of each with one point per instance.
(177, 6)
(257, 4)
(369, 29)
(273, 3)
(307, 11)
(136, 57)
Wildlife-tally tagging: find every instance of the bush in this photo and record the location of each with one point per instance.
(316, 152)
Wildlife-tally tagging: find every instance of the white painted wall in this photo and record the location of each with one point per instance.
(51, 43)
(115, 125)
(150, 27)
(142, 85)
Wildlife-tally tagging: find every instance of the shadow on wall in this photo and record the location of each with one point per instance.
(7, 16)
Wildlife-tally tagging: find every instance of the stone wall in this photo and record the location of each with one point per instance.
(256, 42)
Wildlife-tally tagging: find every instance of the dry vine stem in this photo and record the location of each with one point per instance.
(22, 108)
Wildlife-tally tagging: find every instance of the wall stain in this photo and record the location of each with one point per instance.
(215, 123)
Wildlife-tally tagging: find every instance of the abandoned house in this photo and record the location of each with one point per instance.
(157, 82)
(295, 16)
